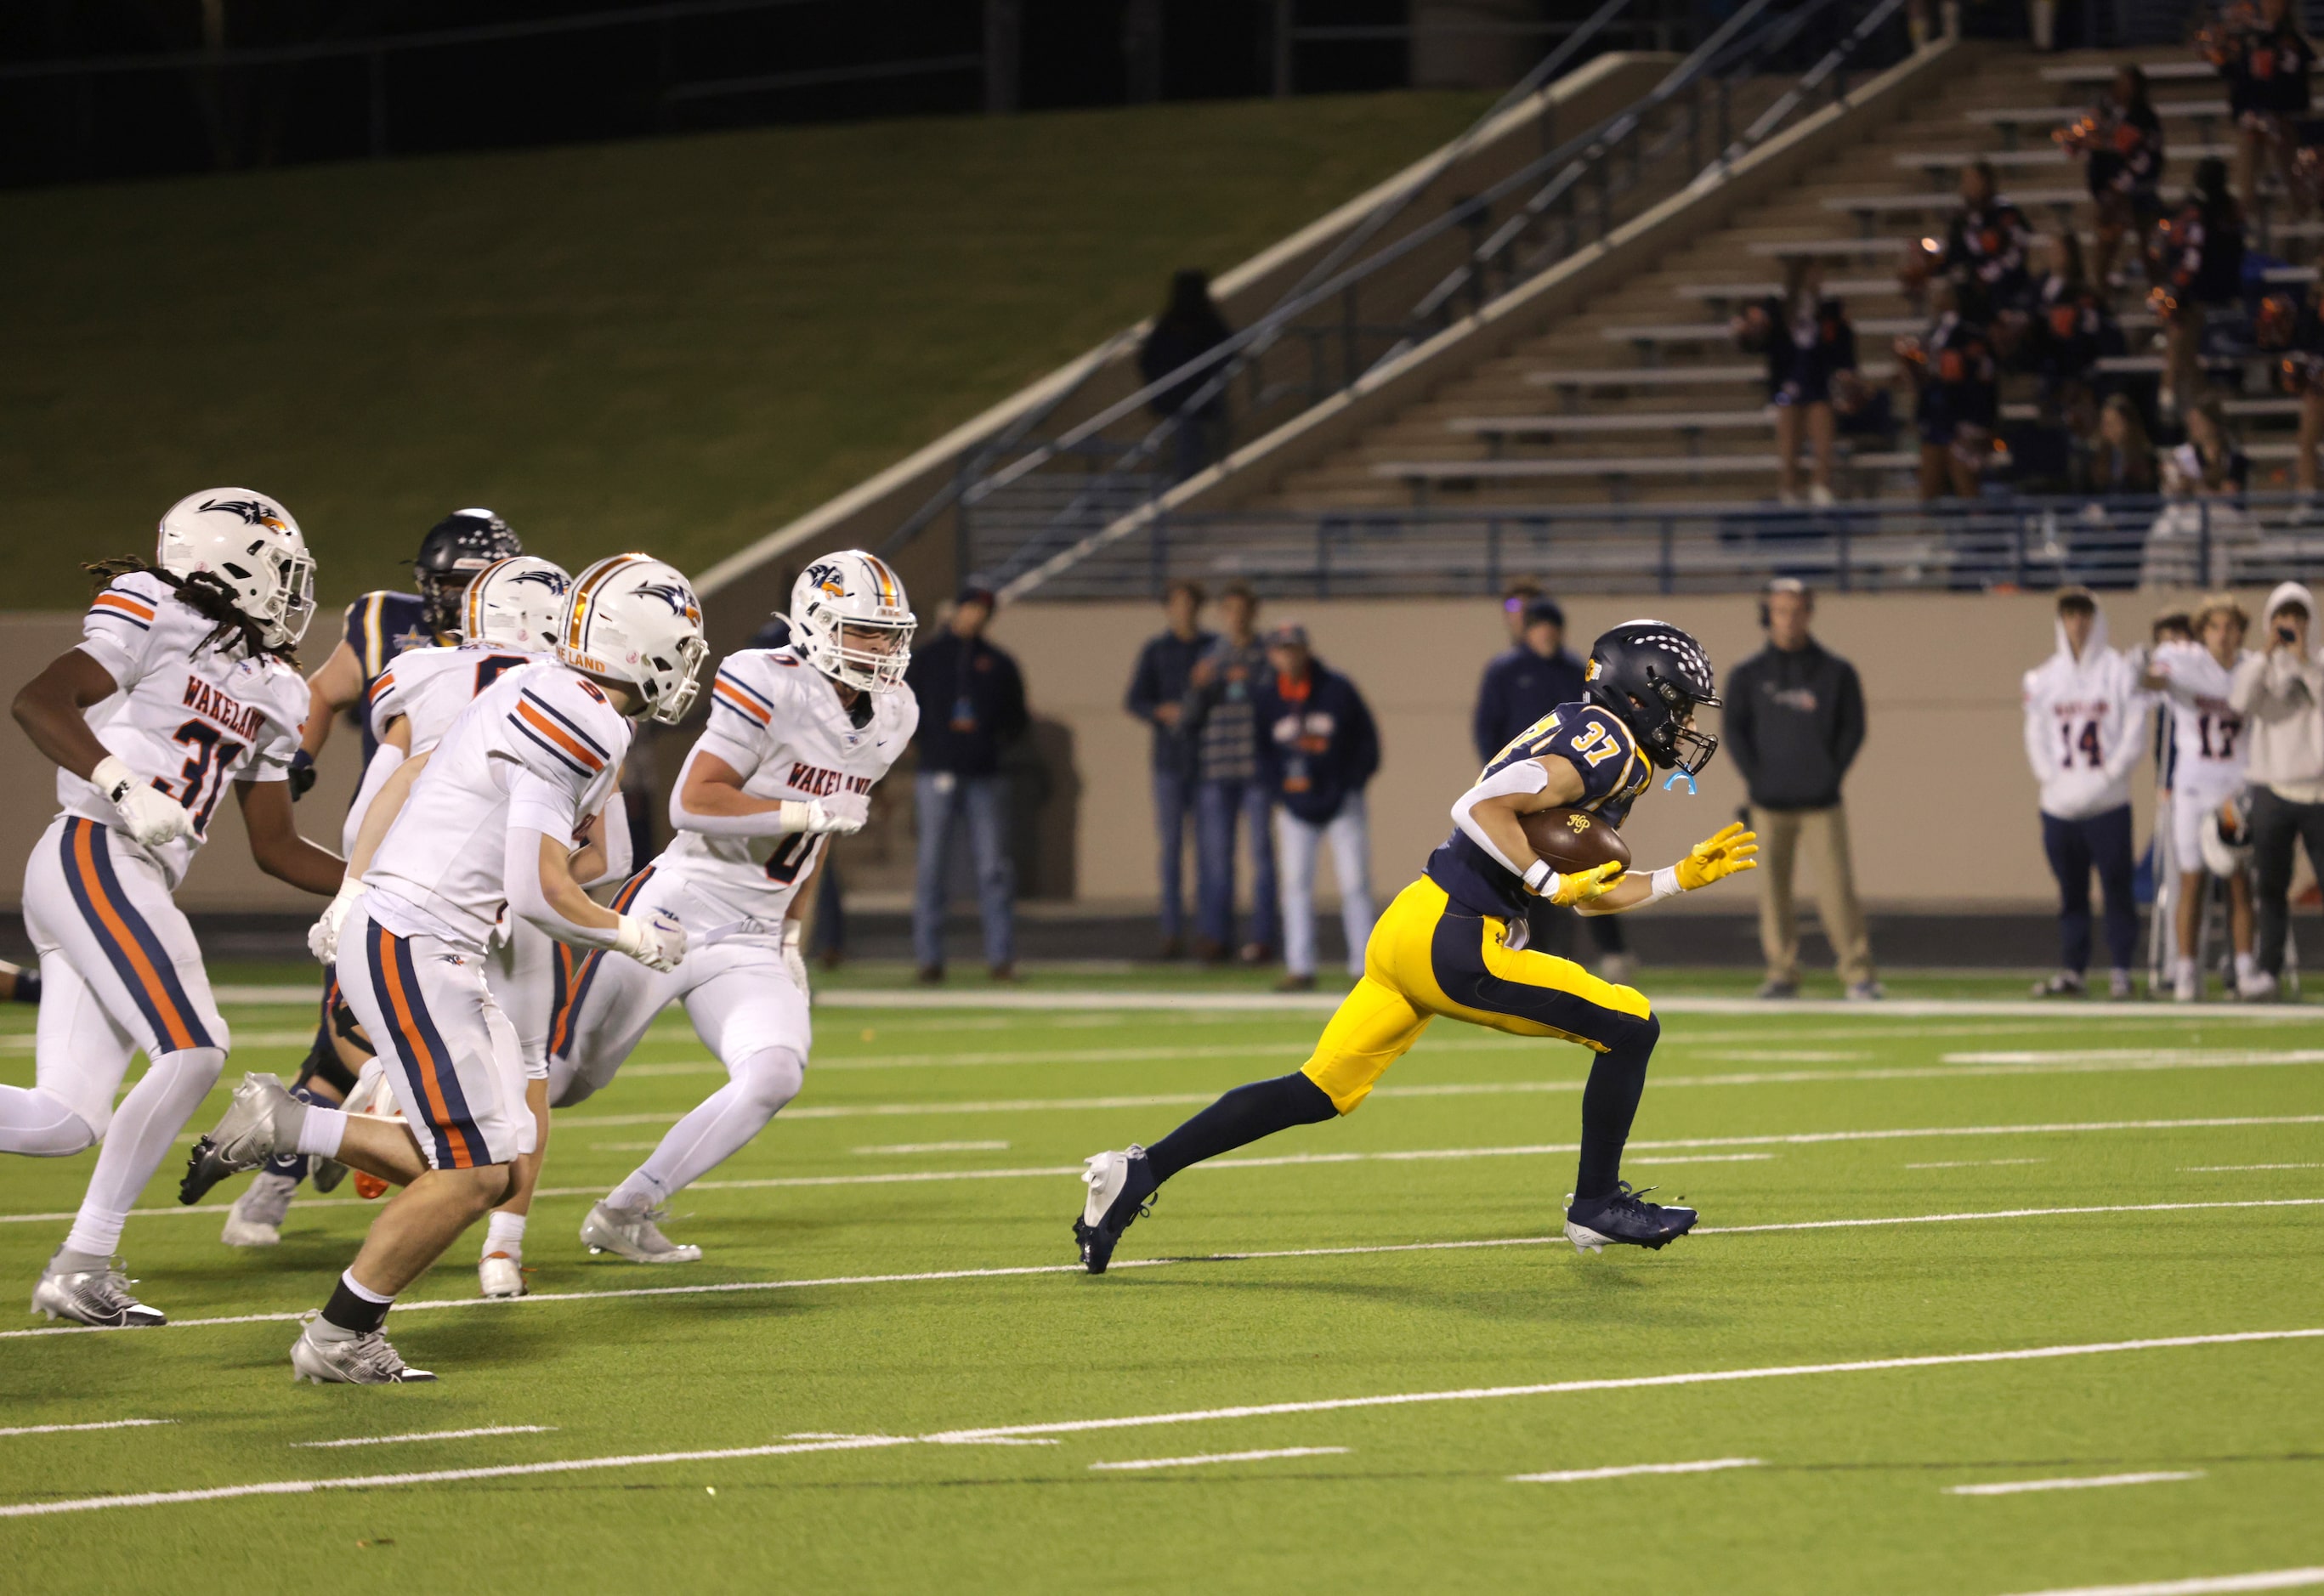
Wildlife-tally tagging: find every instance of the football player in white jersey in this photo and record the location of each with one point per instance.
(508, 618)
(797, 737)
(489, 823)
(183, 681)
(2194, 679)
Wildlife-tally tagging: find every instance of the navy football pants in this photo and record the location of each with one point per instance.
(2077, 847)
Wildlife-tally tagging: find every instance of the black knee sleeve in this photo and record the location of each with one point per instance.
(322, 1063)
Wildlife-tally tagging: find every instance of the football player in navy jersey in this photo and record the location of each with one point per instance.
(1454, 943)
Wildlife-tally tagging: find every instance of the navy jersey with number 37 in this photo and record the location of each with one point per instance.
(1613, 769)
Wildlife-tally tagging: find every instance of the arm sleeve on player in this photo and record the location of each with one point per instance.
(613, 836)
(119, 629)
(384, 764)
(744, 761)
(521, 866)
(1515, 778)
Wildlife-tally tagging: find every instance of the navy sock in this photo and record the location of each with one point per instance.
(1609, 1103)
(28, 986)
(1244, 1115)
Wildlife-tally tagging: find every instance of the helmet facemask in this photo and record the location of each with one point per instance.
(851, 621)
(870, 655)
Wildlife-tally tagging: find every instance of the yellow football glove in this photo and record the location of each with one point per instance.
(1582, 885)
(1732, 849)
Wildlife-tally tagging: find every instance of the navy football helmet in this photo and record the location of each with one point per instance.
(454, 552)
(1652, 676)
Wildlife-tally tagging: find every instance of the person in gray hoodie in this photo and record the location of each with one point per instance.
(2279, 694)
(2085, 729)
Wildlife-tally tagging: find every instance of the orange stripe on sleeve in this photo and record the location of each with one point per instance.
(128, 605)
(742, 702)
(558, 735)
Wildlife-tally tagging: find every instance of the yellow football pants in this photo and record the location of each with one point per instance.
(1423, 961)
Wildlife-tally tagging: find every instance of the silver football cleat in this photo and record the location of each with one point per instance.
(94, 1297)
(355, 1361)
(633, 1233)
(262, 1122)
(499, 1275)
(255, 1220)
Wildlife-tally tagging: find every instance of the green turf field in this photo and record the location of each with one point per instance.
(882, 1376)
(671, 343)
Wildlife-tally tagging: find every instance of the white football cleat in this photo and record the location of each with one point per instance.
(94, 1297)
(353, 1360)
(255, 1220)
(633, 1233)
(499, 1275)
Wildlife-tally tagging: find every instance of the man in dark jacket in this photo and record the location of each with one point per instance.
(1157, 692)
(971, 706)
(1794, 723)
(1521, 685)
(1318, 748)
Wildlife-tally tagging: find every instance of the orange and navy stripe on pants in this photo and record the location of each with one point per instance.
(575, 979)
(459, 1145)
(136, 953)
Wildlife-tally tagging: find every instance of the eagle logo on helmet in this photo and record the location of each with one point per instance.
(252, 511)
(674, 594)
(548, 579)
(830, 577)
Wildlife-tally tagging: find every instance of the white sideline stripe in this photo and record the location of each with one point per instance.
(1150, 1420)
(2225, 1169)
(2159, 1057)
(1014, 1270)
(2222, 1584)
(1225, 1457)
(110, 1424)
(1973, 1163)
(434, 1435)
(1575, 1476)
(2087, 1483)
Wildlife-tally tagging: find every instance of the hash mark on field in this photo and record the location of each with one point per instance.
(2279, 1579)
(1575, 1476)
(1973, 1163)
(1225, 1457)
(932, 1147)
(2087, 1483)
(434, 1435)
(110, 1424)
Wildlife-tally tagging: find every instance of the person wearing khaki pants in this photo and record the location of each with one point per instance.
(1794, 721)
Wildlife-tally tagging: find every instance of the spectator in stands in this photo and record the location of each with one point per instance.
(2265, 60)
(1227, 787)
(1808, 343)
(2121, 143)
(1157, 695)
(2069, 330)
(1517, 599)
(1520, 686)
(972, 702)
(2085, 728)
(1189, 328)
(1318, 749)
(2203, 482)
(2118, 460)
(2300, 373)
(2210, 462)
(2113, 460)
(1794, 723)
(1986, 244)
(1956, 391)
(2279, 694)
(2198, 262)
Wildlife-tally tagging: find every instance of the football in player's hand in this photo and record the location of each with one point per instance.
(1573, 840)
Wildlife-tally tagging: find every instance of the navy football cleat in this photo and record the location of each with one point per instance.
(1122, 1187)
(1625, 1219)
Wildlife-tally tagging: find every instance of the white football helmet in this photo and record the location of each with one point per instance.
(250, 544)
(852, 622)
(634, 618)
(516, 604)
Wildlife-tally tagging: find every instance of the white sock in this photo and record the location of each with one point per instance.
(41, 1123)
(2246, 966)
(144, 1132)
(722, 1126)
(504, 1233)
(321, 1131)
(2182, 969)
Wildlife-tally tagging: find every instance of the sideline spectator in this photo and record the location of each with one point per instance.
(1808, 343)
(1157, 695)
(1520, 686)
(2121, 142)
(1318, 749)
(2266, 60)
(2210, 751)
(2198, 262)
(1956, 391)
(1515, 599)
(2085, 728)
(2279, 694)
(971, 706)
(1227, 788)
(2204, 479)
(1987, 243)
(1189, 328)
(1795, 722)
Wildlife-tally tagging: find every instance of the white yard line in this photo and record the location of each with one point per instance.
(1154, 1420)
(2225, 1169)
(2087, 1483)
(2224, 1585)
(1020, 1270)
(1622, 1471)
(110, 1424)
(896, 1149)
(1973, 1163)
(435, 1435)
(1225, 1457)
(2161, 1058)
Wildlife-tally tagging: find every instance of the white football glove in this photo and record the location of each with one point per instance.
(792, 959)
(323, 936)
(842, 811)
(152, 817)
(659, 944)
